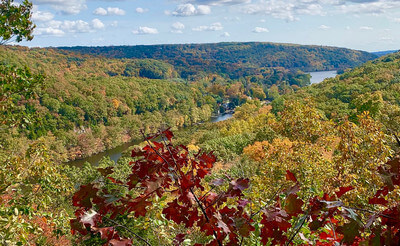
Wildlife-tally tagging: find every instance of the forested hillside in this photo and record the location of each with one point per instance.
(91, 104)
(372, 87)
(235, 60)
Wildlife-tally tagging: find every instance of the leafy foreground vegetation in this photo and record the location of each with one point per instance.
(223, 213)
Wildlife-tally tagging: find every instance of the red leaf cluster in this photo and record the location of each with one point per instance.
(161, 169)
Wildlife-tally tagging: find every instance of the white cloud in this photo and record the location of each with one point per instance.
(177, 27)
(60, 28)
(370, 7)
(109, 11)
(260, 30)
(97, 24)
(290, 10)
(141, 10)
(145, 30)
(100, 11)
(324, 27)
(78, 26)
(203, 10)
(191, 10)
(213, 27)
(366, 28)
(115, 11)
(64, 6)
(48, 31)
(225, 34)
(39, 16)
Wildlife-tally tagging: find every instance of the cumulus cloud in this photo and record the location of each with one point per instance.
(100, 11)
(49, 31)
(109, 11)
(115, 11)
(97, 24)
(217, 26)
(260, 30)
(64, 6)
(143, 30)
(191, 10)
(177, 27)
(141, 10)
(39, 16)
(60, 28)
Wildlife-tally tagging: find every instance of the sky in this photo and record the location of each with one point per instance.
(370, 25)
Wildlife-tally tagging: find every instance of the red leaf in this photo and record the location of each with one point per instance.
(106, 233)
(157, 145)
(209, 159)
(240, 184)
(122, 242)
(343, 190)
(384, 191)
(77, 226)
(290, 176)
(293, 205)
(179, 239)
(375, 200)
(139, 205)
(82, 197)
(168, 134)
(244, 227)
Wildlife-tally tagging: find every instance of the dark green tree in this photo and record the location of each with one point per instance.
(15, 21)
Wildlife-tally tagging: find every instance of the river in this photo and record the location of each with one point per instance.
(116, 152)
(318, 77)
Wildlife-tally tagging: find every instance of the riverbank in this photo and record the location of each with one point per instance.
(115, 153)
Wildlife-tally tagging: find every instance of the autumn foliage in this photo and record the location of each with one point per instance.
(223, 213)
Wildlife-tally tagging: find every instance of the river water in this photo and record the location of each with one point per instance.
(116, 152)
(318, 77)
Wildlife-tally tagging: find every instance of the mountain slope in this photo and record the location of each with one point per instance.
(233, 60)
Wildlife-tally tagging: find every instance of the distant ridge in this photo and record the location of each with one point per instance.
(228, 58)
(385, 52)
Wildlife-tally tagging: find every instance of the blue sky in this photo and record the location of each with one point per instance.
(370, 25)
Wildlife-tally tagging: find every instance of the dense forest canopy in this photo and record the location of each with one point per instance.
(235, 60)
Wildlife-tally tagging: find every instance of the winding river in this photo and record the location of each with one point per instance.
(116, 152)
